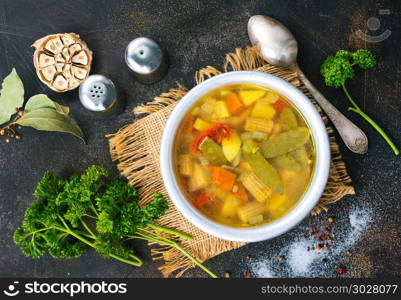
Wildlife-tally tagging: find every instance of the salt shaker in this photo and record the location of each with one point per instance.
(147, 61)
(99, 95)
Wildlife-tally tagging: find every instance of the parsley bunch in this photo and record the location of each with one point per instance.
(86, 211)
(340, 67)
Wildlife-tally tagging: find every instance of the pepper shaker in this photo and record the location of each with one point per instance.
(147, 61)
(99, 95)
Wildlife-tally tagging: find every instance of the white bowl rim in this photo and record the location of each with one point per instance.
(311, 195)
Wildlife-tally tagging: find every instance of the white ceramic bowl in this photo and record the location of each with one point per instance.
(309, 198)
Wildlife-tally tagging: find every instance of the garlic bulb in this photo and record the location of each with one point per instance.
(62, 61)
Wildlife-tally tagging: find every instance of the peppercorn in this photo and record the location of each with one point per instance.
(342, 271)
(325, 260)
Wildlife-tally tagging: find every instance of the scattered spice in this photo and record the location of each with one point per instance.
(248, 275)
(281, 258)
(342, 271)
(227, 275)
(330, 220)
(313, 230)
(7, 140)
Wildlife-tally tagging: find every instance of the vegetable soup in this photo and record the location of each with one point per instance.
(243, 155)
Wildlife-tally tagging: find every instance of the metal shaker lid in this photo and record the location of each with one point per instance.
(146, 59)
(97, 93)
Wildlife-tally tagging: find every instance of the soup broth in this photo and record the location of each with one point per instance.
(243, 155)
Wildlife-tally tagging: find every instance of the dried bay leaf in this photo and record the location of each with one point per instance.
(49, 119)
(42, 101)
(11, 96)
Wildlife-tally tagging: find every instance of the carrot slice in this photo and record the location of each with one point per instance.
(234, 104)
(241, 193)
(223, 178)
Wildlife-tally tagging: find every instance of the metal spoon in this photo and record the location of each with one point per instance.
(280, 48)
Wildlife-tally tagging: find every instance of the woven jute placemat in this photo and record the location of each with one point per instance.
(136, 149)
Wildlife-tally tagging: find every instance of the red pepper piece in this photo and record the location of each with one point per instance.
(216, 133)
(201, 200)
(279, 105)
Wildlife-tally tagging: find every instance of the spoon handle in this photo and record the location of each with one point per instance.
(353, 137)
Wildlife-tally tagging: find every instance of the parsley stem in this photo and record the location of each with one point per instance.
(165, 241)
(171, 231)
(136, 263)
(86, 227)
(355, 108)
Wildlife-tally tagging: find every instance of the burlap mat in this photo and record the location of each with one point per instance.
(136, 148)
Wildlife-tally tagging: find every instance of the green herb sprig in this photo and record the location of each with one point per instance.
(85, 211)
(340, 67)
(40, 112)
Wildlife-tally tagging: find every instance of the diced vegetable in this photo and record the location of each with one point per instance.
(231, 145)
(223, 178)
(250, 146)
(249, 210)
(202, 125)
(217, 132)
(208, 106)
(237, 159)
(279, 105)
(244, 166)
(189, 125)
(277, 205)
(249, 97)
(230, 206)
(301, 156)
(287, 119)
(286, 162)
(241, 192)
(201, 200)
(237, 121)
(295, 183)
(258, 124)
(276, 129)
(234, 104)
(265, 171)
(254, 135)
(195, 111)
(217, 192)
(260, 191)
(285, 142)
(255, 220)
(212, 151)
(185, 164)
(220, 110)
(263, 109)
(272, 97)
(199, 178)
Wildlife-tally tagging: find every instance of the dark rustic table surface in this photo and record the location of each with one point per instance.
(197, 33)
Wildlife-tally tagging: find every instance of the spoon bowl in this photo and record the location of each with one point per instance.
(280, 48)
